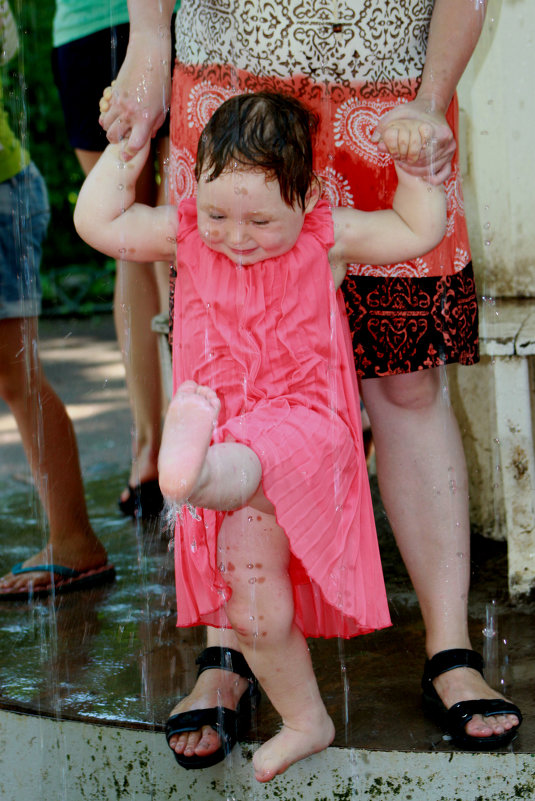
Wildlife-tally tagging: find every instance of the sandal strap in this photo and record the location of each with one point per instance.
(459, 714)
(221, 719)
(224, 659)
(451, 659)
(58, 570)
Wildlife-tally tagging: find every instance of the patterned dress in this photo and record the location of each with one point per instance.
(351, 61)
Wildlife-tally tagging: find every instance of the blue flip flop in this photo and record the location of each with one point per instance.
(62, 580)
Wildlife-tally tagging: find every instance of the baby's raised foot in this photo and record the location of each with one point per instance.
(289, 746)
(186, 438)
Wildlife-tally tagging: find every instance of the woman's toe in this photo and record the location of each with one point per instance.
(480, 727)
(208, 743)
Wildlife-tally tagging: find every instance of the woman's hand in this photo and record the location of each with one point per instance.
(134, 107)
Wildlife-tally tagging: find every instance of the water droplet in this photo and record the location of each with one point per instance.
(252, 580)
(120, 187)
(250, 566)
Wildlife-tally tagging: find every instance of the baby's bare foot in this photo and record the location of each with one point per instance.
(187, 433)
(289, 746)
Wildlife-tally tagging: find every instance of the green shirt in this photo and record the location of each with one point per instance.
(13, 157)
(76, 18)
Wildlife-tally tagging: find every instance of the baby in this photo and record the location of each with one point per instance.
(263, 435)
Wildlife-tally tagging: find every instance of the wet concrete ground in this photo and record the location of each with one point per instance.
(114, 654)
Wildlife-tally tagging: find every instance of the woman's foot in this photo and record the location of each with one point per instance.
(144, 469)
(213, 688)
(187, 433)
(79, 553)
(466, 684)
(292, 744)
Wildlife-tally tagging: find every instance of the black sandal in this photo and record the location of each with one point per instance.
(145, 500)
(230, 724)
(454, 719)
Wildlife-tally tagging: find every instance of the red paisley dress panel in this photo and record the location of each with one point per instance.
(351, 62)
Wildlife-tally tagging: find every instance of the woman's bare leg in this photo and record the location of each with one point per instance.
(422, 477)
(49, 442)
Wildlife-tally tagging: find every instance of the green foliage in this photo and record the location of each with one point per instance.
(76, 279)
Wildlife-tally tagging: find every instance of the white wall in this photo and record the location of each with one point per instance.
(497, 99)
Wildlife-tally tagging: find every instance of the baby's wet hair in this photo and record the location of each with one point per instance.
(264, 131)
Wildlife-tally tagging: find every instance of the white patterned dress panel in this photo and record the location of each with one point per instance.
(376, 41)
(182, 183)
(336, 188)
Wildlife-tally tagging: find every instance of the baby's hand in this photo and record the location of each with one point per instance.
(407, 140)
(434, 160)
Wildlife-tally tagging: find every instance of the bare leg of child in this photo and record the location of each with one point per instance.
(225, 477)
(261, 612)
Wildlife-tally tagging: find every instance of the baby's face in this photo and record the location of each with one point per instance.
(244, 216)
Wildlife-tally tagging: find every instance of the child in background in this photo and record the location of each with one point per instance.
(74, 557)
(263, 435)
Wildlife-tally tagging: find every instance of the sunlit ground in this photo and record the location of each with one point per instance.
(113, 653)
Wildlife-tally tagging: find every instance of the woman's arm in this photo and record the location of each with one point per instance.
(141, 94)
(108, 218)
(453, 34)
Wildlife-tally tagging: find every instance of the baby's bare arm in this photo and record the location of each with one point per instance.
(413, 226)
(338, 269)
(108, 218)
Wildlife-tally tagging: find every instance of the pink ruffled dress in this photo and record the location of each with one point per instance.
(273, 341)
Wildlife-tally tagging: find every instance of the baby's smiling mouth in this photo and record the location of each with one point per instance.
(244, 251)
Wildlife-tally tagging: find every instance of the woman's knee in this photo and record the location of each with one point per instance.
(416, 391)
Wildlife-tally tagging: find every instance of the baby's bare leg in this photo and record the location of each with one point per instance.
(222, 476)
(261, 611)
